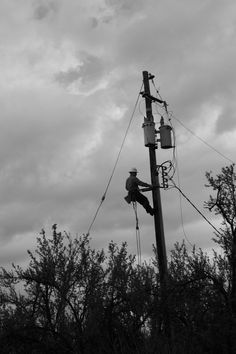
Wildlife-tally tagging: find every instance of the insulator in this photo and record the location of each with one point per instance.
(165, 136)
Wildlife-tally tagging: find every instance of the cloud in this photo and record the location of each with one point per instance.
(44, 8)
(71, 73)
(68, 77)
(89, 72)
(124, 7)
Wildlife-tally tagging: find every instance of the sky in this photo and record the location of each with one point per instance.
(71, 72)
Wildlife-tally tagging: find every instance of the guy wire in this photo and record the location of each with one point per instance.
(195, 207)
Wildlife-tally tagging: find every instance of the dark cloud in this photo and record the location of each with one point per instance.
(94, 22)
(43, 8)
(125, 6)
(69, 76)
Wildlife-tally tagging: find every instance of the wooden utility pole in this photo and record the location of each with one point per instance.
(158, 219)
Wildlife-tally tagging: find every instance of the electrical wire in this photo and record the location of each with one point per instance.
(203, 141)
(116, 162)
(176, 169)
(180, 197)
(175, 163)
(157, 91)
(203, 216)
(183, 125)
(140, 110)
(168, 116)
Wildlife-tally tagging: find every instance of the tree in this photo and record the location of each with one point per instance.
(73, 299)
(198, 302)
(59, 284)
(224, 205)
(129, 300)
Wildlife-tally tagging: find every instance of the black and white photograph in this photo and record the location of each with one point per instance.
(117, 176)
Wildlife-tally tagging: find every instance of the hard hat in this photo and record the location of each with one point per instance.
(133, 170)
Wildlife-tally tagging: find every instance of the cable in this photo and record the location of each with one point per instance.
(175, 164)
(203, 141)
(180, 200)
(167, 113)
(161, 103)
(198, 137)
(195, 207)
(140, 110)
(116, 162)
(176, 169)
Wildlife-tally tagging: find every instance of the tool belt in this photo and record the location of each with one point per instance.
(131, 197)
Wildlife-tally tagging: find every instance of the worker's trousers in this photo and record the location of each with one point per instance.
(136, 196)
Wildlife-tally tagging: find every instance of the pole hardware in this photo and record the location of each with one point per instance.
(152, 98)
(164, 176)
(151, 76)
(148, 126)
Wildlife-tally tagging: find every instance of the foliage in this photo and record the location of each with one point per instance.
(224, 204)
(74, 299)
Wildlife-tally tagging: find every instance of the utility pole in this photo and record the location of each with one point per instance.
(158, 218)
(150, 142)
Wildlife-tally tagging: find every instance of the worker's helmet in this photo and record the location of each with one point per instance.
(133, 170)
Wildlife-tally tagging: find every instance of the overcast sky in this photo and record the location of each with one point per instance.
(71, 71)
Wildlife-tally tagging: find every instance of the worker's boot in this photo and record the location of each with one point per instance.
(150, 210)
(127, 199)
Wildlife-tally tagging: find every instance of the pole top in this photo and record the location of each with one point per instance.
(148, 75)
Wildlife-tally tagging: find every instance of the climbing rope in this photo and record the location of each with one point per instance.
(138, 240)
(116, 162)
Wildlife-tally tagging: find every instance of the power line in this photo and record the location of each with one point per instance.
(174, 161)
(203, 216)
(180, 196)
(203, 141)
(116, 162)
(176, 168)
(183, 125)
(169, 116)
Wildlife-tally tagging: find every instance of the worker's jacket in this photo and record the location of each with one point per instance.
(133, 182)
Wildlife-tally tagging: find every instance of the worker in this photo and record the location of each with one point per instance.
(134, 194)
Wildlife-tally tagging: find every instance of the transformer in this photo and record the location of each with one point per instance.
(165, 136)
(149, 132)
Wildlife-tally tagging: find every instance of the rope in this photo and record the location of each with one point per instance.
(195, 207)
(138, 241)
(115, 165)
